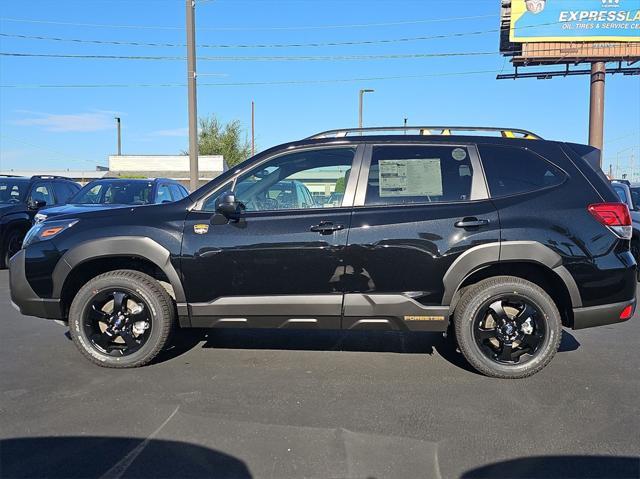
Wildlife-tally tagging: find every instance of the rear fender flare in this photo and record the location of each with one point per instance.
(488, 254)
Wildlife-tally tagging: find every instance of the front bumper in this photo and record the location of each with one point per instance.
(601, 315)
(23, 296)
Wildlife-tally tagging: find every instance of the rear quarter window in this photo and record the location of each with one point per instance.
(512, 170)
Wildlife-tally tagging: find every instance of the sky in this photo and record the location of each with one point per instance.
(72, 127)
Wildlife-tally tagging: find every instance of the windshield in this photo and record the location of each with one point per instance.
(12, 191)
(117, 192)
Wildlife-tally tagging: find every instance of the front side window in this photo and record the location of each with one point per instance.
(115, 192)
(401, 175)
(511, 170)
(42, 193)
(302, 180)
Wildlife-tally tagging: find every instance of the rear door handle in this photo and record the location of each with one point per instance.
(471, 223)
(326, 228)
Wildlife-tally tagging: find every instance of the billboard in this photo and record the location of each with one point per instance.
(574, 21)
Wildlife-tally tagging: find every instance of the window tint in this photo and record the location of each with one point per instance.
(306, 179)
(419, 174)
(42, 192)
(164, 194)
(620, 191)
(512, 170)
(115, 192)
(176, 192)
(635, 197)
(63, 193)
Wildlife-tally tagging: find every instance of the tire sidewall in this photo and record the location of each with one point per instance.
(82, 302)
(550, 316)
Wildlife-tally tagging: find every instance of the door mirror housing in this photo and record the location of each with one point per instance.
(36, 204)
(228, 206)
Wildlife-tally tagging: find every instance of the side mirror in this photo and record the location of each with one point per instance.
(36, 204)
(227, 206)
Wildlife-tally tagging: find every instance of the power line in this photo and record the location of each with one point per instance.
(269, 45)
(252, 58)
(263, 58)
(307, 27)
(259, 45)
(254, 83)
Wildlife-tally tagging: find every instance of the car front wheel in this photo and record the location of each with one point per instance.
(507, 327)
(121, 319)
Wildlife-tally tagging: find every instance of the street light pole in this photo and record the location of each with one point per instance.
(119, 136)
(194, 177)
(361, 95)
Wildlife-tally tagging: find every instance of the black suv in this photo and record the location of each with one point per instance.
(20, 199)
(503, 239)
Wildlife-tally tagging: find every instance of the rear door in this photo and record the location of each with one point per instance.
(418, 208)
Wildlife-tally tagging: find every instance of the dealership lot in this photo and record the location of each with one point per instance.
(295, 404)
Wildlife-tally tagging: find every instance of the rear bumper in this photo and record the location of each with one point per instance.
(601, 315)
(23, 296)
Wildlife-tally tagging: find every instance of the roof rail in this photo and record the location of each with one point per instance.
(429, 130)
(50, 177)
(10, 176)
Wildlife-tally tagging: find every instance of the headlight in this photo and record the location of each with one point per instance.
(39, 217)
(46, 230)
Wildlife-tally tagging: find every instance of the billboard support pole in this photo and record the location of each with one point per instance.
(596, 107)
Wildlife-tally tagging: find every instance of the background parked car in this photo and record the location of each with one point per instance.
(630, 194)
(20, 199)
(118, 192)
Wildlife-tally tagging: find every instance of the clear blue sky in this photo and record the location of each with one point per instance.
(74, 127)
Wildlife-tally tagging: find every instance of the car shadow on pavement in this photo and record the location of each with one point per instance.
(114, 457)
(402, 342)
(565, 467)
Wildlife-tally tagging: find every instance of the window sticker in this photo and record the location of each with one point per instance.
(459, 154)
(414, 177)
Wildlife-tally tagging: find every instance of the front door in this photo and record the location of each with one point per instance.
(418, 208)
(281, 263)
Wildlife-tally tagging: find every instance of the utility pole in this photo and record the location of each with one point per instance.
(194, 176)
(119, 136)
(362, 92)
(596, 107)
(253, 128)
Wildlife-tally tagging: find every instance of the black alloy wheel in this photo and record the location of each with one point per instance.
(117, 323)
(122, 319)
(508, 329)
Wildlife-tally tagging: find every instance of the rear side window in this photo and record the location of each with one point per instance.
(63, 192)
(402, 175)
(176, 192)
(512, 170)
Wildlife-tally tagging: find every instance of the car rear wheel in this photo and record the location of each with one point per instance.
(12, 245)
(507, 327)
(121, 319)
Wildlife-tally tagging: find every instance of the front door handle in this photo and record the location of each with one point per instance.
(471, 223)
(326, 228)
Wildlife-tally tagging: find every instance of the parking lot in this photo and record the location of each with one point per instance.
(295, 404)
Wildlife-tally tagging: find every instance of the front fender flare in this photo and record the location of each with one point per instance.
(141, 247)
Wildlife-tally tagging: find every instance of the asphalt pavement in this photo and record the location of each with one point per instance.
(265, 404)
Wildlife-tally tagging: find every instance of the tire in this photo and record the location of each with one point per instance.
(11, 242)
(158, 306)
(484, 353)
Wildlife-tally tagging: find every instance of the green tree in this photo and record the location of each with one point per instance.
(226, 140)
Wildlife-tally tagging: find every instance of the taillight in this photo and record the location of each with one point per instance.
(615, 216)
